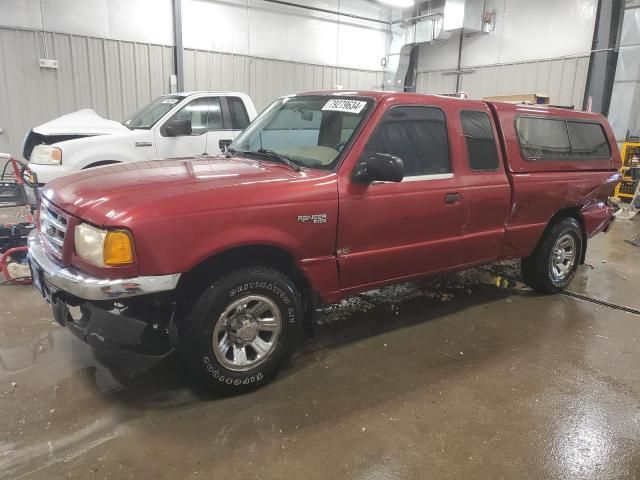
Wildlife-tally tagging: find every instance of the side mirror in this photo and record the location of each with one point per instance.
(224, 144)
(380, 167)
(177, 128)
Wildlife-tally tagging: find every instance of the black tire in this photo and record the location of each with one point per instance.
(195, 340)
(537, 270)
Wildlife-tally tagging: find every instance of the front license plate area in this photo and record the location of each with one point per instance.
(38, 280)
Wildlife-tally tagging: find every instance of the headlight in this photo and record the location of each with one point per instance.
(46, 155)
(103, 247)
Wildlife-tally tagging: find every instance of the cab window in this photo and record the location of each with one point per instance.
(481, 146)
(239, 117)
(205, 115)
(417, 135)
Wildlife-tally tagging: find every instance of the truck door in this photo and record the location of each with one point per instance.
(395, 230)
(488, 191)
(207, 129)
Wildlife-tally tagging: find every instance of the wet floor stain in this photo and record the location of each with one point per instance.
(441, 289)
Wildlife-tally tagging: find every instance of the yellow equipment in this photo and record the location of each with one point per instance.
(630, 158)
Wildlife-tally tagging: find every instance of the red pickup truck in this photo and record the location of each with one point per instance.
(324, 195)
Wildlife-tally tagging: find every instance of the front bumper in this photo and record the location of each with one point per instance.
(126, 339)
(128, 323)
(48, 173)
(78, 284)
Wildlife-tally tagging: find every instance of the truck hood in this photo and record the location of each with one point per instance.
(118, 194)
(82, 122)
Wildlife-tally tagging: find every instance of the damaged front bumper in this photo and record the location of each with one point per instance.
(127, 321)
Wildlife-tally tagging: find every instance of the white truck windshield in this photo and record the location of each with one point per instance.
(149, 115)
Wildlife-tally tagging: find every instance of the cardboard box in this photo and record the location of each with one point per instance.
(529, 98)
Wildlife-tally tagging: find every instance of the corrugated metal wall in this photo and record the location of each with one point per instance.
(267, 79)
(116, 78)
(113, 77)
(563, 79)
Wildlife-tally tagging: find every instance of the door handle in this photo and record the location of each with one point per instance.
(451, 198)
(223, 144)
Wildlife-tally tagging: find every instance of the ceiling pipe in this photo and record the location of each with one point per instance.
(43, 32)
(325, 10)
(419, 17)
(459, 72)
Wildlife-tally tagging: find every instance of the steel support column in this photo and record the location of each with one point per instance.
(604, 56)
(179, 49)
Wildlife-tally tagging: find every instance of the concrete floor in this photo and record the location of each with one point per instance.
(451, 378)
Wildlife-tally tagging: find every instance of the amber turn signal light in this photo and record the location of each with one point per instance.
(56, 154)
(118, 248)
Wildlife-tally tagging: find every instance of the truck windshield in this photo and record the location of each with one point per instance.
(310, 131)
(149, 115)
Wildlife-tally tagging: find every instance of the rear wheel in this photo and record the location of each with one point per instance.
(241, 330)
(552, 265)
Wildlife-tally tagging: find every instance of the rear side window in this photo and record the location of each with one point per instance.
(543, 138)
(239, 117)
(555, 139)
(417, 135)
(588, 140)
(481, 145)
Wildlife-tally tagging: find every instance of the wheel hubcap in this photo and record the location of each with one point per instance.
(246, 332)
(563, 257)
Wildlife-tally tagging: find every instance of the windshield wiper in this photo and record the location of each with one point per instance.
(278, 156)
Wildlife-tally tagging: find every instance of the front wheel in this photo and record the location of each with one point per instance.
(554, 262)
(241, 330)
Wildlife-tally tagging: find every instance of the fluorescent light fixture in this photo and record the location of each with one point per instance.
(397, 3)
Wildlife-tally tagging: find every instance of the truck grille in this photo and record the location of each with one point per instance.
(53, 228)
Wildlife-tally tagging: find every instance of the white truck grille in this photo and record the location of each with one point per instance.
(53, 227)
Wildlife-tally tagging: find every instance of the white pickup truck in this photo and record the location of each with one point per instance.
(175, 125)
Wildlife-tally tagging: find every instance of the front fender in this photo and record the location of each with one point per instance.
(243, 236)
(197, 237)
(84, 159)
(81, 153)
(320, 270)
